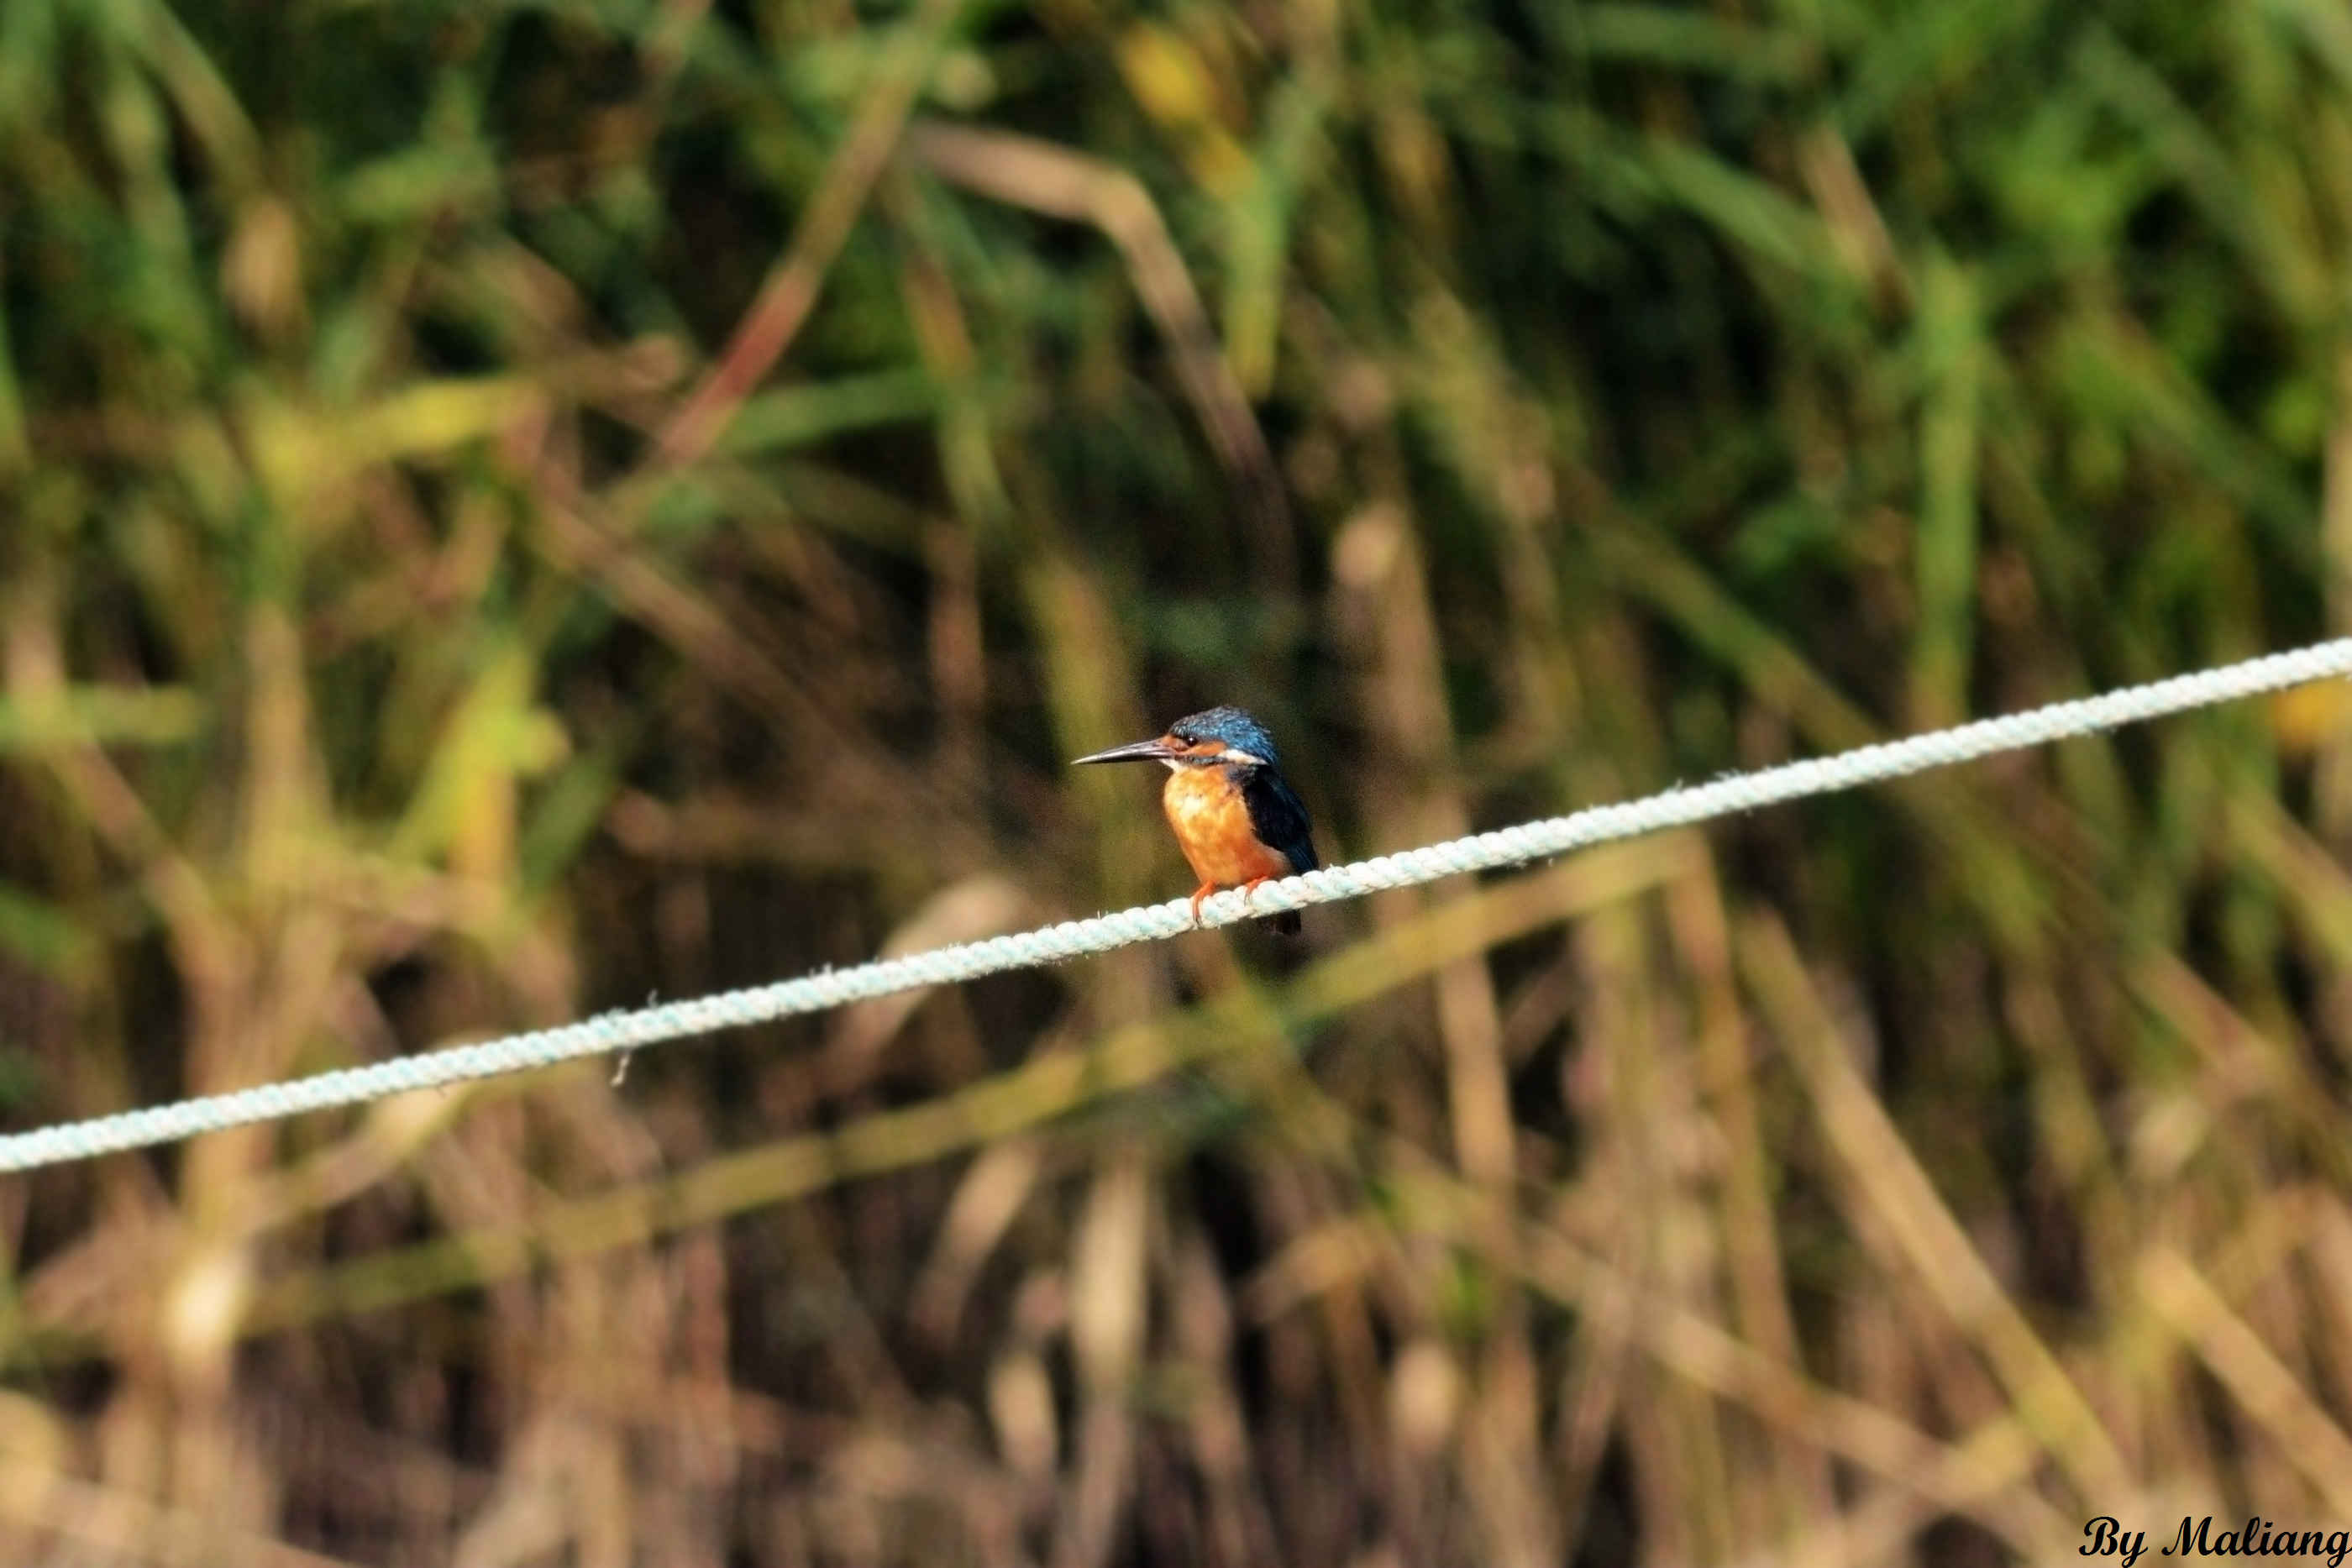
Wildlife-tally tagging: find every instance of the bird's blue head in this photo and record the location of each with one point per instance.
(1225, 734)
(1222, 737)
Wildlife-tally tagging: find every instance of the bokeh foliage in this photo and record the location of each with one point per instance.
(508, 509)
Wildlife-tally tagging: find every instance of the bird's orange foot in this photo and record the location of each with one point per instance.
(1198, 894)
(1286, 921)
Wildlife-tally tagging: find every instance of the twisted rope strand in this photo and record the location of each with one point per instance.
(623, 1031)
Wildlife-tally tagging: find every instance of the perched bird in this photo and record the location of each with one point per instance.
(1236, 817)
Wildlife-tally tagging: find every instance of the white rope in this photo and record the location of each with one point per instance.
(1676, 808)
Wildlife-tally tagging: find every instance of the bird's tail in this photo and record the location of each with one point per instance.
(1288, 922)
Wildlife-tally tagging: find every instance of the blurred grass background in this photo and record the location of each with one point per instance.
(506, 510)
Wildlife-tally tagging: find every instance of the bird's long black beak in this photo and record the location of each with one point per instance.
(1155, 750)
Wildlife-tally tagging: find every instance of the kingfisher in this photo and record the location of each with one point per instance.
(1236, 817)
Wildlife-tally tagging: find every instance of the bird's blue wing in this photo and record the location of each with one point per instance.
(1279, 819)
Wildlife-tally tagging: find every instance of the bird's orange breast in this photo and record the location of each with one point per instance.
(1212, 828)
